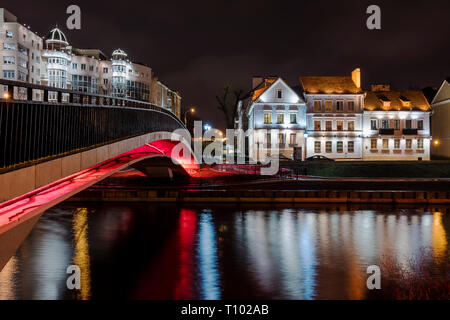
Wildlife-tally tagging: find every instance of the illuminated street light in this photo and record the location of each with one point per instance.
(191, 110)
(436, 142)
(207, 127)
(6, 95)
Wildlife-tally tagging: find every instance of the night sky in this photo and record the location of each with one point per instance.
(196, 47)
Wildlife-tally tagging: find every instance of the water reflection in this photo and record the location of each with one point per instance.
(219, 252)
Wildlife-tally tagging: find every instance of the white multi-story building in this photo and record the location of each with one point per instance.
(275, 119)
(396, 125)
(20, 51)
(24, 56)
(334, 116)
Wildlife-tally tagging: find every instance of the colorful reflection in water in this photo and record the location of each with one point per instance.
(148, 251)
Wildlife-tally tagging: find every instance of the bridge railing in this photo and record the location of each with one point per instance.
(39, 122)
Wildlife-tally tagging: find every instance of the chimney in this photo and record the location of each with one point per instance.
(256, 81)
(380, 87)
(356, 77)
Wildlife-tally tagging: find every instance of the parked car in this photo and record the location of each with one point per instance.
(319, 158)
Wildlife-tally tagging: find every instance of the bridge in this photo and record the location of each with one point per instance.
(56, 142)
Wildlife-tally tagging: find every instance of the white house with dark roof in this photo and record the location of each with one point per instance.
(440, 147)
(396, 125)
(276, 119)
(334, 111)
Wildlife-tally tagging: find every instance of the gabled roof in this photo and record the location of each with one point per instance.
(260, 89)
(443, 93)
(396, 101)
(329, 85)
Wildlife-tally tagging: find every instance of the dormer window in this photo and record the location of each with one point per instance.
(405, 101)
(279, 94)
(384, 101)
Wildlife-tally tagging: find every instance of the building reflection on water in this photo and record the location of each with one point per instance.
(164, 252)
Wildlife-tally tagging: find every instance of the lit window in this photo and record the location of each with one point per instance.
(280, 118)
(328, 105)
(408, 143)
(317, 105)
(281, 139)
(373, 124)
(373, 144)
(351, 125)
(317, 125)
(397, 144)
(292, 139)
(385, 143)
(340, 106)
(317, 147)
(267, 118)
(328, 147)
(268, 139)
(419, 143)
(329, 125)
(339, 125)
(350, 146)
(339, 147)
(397, 124)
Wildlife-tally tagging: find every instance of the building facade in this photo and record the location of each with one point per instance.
(52, 61)
(396, 125)
(276, 119)
(440, 148)
(334, 116)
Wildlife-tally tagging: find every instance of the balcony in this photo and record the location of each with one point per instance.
(409, 131)
(386, 132)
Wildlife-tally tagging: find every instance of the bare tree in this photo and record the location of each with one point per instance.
(228, 102)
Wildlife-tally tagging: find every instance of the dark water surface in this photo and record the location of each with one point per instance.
(153, 251)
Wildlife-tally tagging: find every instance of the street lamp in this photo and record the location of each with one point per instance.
(6, 95)
(191, 110)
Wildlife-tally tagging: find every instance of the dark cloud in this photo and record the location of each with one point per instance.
(197, 46)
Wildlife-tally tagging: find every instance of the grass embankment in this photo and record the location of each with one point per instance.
(375, 169)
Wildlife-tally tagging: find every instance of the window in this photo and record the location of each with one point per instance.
(373, 124)
(279, 94)
(9, 46)
(105, 70)
(293, 118)
(420, 124)
(281, 139)
(317, 147)
(105, 81)
(385, 124)
(340, 106)
(328, 147)
(419, 143)
(328, 105)
(268, 139)
(339, 125)
(74, 66)
(350, 106)
(9, 74)
(83, 66)
(350, 146)
(317, 125)
(267, 118)
(351, 125)
(385, 143)
(329, 125)
(9, 60)
(373, 144)
(408, 124)
(292, 139)
(339, 147)
(397, 124)
(280, 118)
(9, 34)
(91, 68)
(317, 105)
(408, 143)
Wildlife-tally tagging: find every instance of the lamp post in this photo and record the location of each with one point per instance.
(191, 110)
